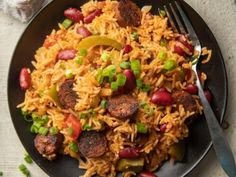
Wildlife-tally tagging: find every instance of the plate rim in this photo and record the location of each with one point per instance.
(223, 113)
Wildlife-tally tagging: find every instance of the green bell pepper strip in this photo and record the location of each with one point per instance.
(96, 40)
(53, 94)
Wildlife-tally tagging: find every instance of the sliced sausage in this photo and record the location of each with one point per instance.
(122, 106)
(128, 14)
(49, 145)
(185, 99)
(92, 144)
(67, 95)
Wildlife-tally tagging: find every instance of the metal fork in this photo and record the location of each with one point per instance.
(221, 146)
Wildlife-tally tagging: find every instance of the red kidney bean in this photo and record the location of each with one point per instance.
(178, 49)
(129, 153)
(25, 79)
(192, 89)
(66, 54)
(162, 98)
(130, 80)
(92, 15)
(163, 89)
(83, 31)
(73, 14)
(185, 41)
(147, 174)
(163, 128)
(127, 49)
(208, 95)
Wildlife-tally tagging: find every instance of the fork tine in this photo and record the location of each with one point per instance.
(170, 19)
(181, 27)
(188, 25)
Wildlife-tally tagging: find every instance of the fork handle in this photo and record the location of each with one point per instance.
(221, 146)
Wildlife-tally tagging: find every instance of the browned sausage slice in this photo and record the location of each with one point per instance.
(92, 144)
(128, 14)
(185, 99)
(48, 145)
(122, 106)
(67, 95)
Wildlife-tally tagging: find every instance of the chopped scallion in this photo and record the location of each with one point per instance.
(125, 65)
(136, 67)
(163, 42)
(26, 116)
(33, 129)
(82, 115)
(110, 70)
(44, 119)
(121, 79)
(142, 104)
(114, 86)
(74, 147)
(69, 74)
(79, 60)
(86, 127)
(83, 52)
(24, 170)
(43, 131)
(161, 55)
(141, 128)
(53, 131)
(99, 76)
(170, 64)
(146, 88)
(105, 56)
(28, 159)
(139, 83)
(148, 110)
(70, 131)
(34, 116)
(92, 112)
(134, 35)
(67, 23)
(103, 104)
(1, 173)
(162, 13)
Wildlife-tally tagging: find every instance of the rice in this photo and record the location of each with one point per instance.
(50, 72)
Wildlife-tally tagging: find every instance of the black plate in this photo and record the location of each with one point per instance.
(199, 141)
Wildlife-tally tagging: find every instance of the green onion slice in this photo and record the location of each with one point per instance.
(74, 147)
(141, 128)
(86, 127)
(70, 131)
(28, 159)
(114, 86)
(136, 67)
(170, 64)
(134, 35)
(67, 23)
(162, 55)
(83, 52)
(146, 88)
(139, 83)
(43, 131)
(125, 65)
(103, 104)
(53, 130)
(82, 115)
(69, 74)
(162, 13)
(121, 79)
(24, 170)
(105, 56)
(163, 42)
